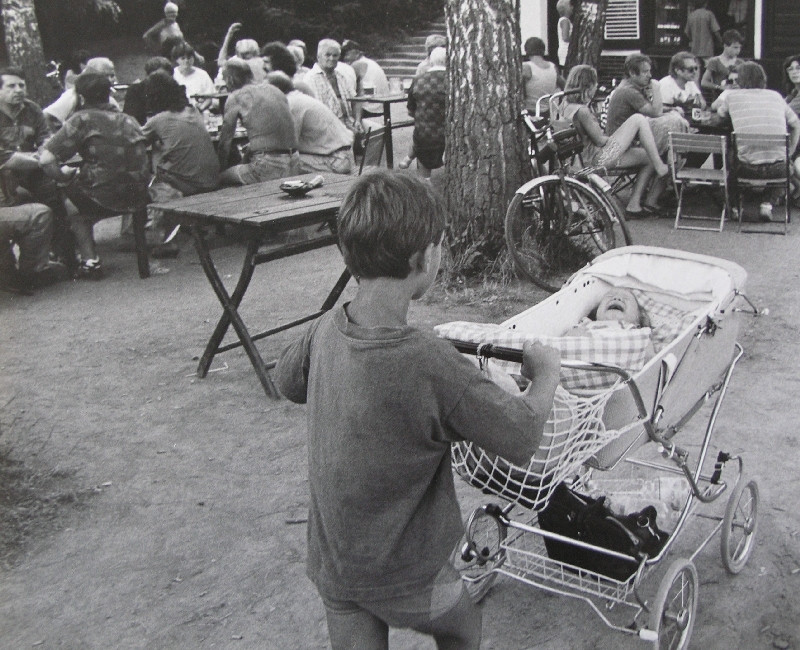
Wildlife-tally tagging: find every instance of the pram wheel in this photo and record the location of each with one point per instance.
(675, 606)
(481, 552)
(739, 525)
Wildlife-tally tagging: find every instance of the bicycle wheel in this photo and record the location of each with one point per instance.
(614, 209)
(554, 226)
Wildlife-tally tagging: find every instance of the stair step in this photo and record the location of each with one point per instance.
(402, 73)
(405, 47)
(401, 59)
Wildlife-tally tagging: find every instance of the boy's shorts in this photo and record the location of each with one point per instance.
(413, 610)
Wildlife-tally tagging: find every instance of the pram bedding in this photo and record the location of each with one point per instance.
(689, 300)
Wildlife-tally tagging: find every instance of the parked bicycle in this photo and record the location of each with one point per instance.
(560, 220)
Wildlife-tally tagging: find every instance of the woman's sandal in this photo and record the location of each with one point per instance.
(653, 211)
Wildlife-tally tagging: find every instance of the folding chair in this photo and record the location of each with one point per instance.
(763, 142)
(681, 144)
(374, 147)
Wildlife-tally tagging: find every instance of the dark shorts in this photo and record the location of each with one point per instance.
(430, 157)
(769, 170)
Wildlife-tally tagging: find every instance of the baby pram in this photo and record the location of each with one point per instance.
(602, 422)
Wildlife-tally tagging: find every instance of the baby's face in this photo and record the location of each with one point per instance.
(620, 305)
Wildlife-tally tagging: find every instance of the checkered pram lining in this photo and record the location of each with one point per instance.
(629, 349)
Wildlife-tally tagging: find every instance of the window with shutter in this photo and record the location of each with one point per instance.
(622, 20)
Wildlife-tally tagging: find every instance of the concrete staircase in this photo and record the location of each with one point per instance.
(402, 58)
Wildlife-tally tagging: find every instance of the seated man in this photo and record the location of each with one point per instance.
(60, 110)
(135, 99)
(30, 228)
(370, 77)
(114, 171)
(264, 112)
(638, 92)
(23, 129)
(331, 86)
(680, 87)
(755, 109)
(325, 145)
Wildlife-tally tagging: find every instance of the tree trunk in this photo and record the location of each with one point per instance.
(485, 148)
(588, 29)
(24, 48)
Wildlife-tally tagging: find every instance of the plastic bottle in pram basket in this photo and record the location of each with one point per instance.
(627, 495)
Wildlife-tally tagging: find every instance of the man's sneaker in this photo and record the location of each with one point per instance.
(90, 269)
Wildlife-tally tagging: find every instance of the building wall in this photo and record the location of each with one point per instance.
(533, 22)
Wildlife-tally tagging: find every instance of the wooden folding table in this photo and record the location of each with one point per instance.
(259, 212)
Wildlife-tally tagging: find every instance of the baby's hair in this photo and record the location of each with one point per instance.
(386, 218)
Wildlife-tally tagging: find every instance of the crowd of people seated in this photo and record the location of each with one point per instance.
(85, 156)
(641, 112)
(178, 131)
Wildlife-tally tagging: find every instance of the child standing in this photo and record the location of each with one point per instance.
(564, 9)
(385, 400)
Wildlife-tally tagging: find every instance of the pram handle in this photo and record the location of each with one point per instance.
(514, 355)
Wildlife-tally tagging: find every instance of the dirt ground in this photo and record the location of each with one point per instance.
(156, 509)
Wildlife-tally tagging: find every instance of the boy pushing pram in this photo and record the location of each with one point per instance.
(385, 401)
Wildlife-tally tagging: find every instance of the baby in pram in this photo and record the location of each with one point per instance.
(618, 309)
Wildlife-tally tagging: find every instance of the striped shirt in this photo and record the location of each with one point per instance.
(757, 110)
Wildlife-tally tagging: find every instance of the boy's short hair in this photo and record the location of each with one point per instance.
(731, 36)
(752, 75)
(94, 88)
(385, 218)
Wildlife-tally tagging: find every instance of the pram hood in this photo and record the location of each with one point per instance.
(689, 276)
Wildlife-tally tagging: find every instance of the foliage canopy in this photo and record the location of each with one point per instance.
(66, 26)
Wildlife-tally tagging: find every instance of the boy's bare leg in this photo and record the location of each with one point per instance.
(357, 630)
(458, 629)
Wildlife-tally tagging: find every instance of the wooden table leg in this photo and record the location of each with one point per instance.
(139, 219)
(387, 134)
(230, 305)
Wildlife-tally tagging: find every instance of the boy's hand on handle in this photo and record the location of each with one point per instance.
(540, 362)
